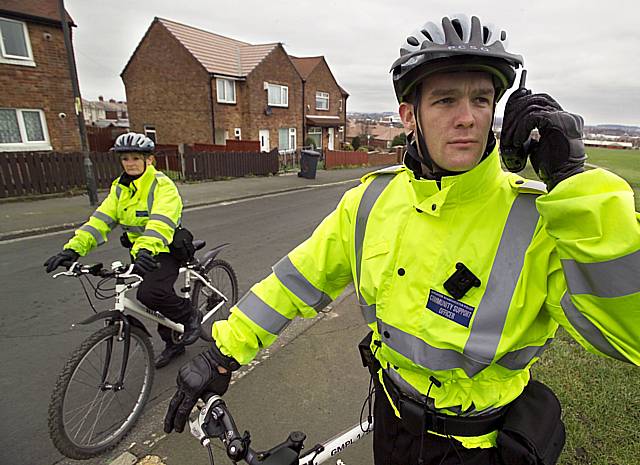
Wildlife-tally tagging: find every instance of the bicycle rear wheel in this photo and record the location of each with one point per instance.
(223, 278)
(87, 418)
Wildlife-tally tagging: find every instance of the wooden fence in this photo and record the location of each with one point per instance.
(200, 166)
(339, 158)
(29, 173)
(34, 173)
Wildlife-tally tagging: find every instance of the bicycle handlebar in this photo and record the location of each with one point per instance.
(215, 421)
(118, 270)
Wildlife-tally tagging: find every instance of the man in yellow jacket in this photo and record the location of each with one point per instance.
(148, 207)
(463, 272)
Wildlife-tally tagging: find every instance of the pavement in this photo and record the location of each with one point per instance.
(24, 218)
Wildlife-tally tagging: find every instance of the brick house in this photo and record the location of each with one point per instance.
(187, 85)
(37, 109)
(325, 103)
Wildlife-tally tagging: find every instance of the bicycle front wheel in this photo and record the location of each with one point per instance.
(223, 278)
(88, 412)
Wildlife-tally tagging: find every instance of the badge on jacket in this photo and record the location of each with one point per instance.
(449, 308)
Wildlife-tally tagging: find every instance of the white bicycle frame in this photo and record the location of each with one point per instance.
(329, 448)
(125, 304)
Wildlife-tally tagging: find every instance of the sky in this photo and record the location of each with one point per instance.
(586, 54)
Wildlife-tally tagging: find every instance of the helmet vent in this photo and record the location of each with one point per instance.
(485, 34)
(458, 28)
(503, 35)
(427, 35)
(413, 41)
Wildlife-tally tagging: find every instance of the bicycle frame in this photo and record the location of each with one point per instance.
(216, 409)
(124, 304)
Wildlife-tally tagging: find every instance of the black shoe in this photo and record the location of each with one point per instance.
(170, 352)
(191, 329)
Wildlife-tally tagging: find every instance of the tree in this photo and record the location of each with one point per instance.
(356, 143)
(400, 139)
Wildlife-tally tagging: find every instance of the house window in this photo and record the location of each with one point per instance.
(22, 129)
(322, 100)
(150, 132)
(315, 134)
(226, 90)
(277, 95)
(15, 47)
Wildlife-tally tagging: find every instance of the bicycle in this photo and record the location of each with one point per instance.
(214, 420)
(105, 384)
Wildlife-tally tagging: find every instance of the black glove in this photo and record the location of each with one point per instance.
(145, 261)
(195, 379)
(64, 258)
(558, 154)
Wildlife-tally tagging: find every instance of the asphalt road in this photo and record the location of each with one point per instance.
(37, 312)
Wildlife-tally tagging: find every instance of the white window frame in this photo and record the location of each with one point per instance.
(225, 84)
(272, 90)
(26, 145)
(322, 96)
(150, 129)
(17, 59)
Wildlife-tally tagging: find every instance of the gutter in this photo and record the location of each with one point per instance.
(213, 120)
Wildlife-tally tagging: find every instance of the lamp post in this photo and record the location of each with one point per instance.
(92, 190)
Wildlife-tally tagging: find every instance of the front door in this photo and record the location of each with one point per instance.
(331, 138)
(263, 134)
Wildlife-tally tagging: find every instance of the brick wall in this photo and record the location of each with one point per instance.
(168, 89)
(251, 97)
(322, 80)
(47, 86)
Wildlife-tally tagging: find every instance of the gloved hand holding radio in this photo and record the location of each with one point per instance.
(558, 154)
(208, 372)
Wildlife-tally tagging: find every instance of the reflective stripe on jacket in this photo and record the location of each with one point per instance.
(148, 209)
(570, 257)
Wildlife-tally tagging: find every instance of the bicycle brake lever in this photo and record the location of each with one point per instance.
(197, 422)
(71, 271)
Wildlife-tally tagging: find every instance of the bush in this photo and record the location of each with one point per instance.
(347, 147)
(356, 143)
(310, 142)
(363, 149)
(400, 139)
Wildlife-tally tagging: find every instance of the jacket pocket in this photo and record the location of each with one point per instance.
(379, 248)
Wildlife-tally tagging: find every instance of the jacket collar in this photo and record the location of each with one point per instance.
(135, 184)
(476, 183)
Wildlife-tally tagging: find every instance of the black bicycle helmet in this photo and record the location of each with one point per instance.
(459, 43)
(133, 142)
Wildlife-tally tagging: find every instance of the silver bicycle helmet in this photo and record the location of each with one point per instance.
(133, 142)
(458, 43)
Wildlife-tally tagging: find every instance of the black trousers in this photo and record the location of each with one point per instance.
(157, 293)
(393, 444)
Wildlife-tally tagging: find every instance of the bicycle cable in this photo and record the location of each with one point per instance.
(86, 293)
(210, 453)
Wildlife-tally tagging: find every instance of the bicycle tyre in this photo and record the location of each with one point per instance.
(216, 271)
(59, 433)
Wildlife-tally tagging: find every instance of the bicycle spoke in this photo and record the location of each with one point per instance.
(99, 415)
(84, 418)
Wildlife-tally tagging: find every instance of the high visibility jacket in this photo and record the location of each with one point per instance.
(148, 209)
(570, 257)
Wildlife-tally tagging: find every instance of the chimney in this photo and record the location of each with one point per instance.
(101, 98)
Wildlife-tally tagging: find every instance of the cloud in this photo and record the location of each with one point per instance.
(584, 53)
